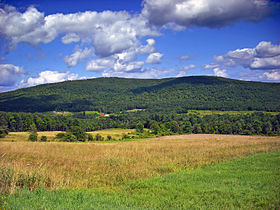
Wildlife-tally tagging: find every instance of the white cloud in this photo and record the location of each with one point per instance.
(184, 57)
(100, 64)
(273, 75)
(266, 63)
(78, 55)
(210, 66)
(191, 66)
(264, 56)
(69, 38)
(181, 74)
(154, 58)
(210, 13)
(267, 49)
(109, 32)
(143, 73)
(149, 48)
(9, 74)
(49, 77)
(220, 72)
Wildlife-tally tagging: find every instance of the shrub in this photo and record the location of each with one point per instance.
(43, 138)
(109, 138)
(69, 137)
(60, 135)
(33, 137)
(98, 137)
(90, 137)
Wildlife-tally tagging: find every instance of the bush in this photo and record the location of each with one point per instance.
(60, 135)
(109, 138)
(33, 137)
(69, 137)
(43, 138)
(90, 137)
(98, 137)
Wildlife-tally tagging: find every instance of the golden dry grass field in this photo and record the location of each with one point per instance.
(93, 165)
(23, 136)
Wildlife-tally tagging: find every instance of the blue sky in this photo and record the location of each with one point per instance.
(51, 41)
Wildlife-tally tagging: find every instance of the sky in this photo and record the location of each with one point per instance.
(46, 41)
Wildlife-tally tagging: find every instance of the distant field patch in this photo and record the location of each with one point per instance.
(210, 112)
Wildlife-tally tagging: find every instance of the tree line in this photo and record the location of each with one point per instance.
(161, 123)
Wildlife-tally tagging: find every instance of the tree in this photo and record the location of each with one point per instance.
(33, 135)
(139, 127)
(78, 132)
(155, 128)
(90, 137)
(3, 132)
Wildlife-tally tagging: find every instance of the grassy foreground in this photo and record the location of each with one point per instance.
(56, 165)
(247, 183)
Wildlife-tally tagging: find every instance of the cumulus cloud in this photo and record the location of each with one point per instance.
(109, 32)
(273, 75)
(220, 72)
(49, 77)
(154, 58)
(209, 13)
(264, 56)
(69, 38)
(78, 55)
(149, 48)
(9, 74)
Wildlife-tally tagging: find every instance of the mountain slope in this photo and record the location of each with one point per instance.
(119, 94)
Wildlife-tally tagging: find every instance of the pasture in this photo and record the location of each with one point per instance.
(90, 165)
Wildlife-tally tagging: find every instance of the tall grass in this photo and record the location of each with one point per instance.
(92, 165)
(247, 183)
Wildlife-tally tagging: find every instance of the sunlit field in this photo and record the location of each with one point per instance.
(90, 165)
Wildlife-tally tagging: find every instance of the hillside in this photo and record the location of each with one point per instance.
(119, 94)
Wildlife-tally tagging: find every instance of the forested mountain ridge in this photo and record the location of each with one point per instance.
(119, 94)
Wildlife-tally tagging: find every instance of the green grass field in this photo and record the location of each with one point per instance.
(210, 112)
(247, 183)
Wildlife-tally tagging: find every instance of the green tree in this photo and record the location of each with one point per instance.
(139, 127)
(33, 135)
(155, 128)
(78, 132)
(90, 137)
(3, 132)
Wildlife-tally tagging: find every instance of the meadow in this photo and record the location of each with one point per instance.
(247, 183)
(55, 165)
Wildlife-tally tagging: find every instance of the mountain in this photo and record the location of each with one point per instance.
(118, 94)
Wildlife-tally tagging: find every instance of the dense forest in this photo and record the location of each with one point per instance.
(113, 95)
(255, 123)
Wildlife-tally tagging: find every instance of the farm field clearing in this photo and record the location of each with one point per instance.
(89, 165)
(23, 136)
